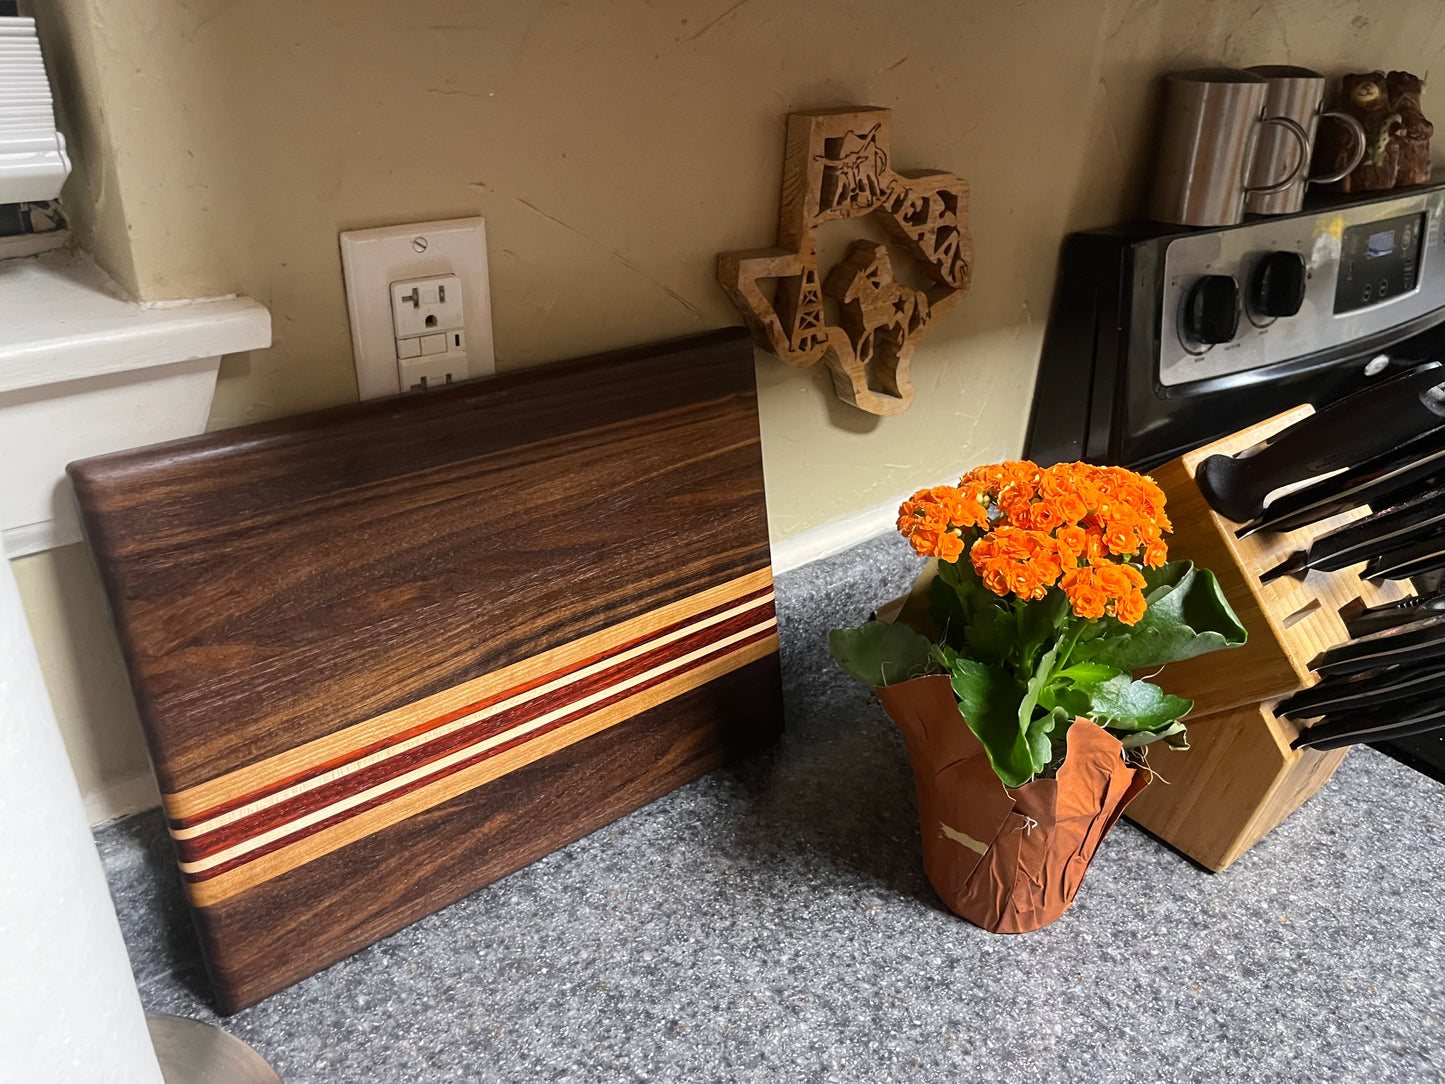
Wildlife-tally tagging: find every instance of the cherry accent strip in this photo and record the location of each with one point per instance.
(452, 769)
(235, 832)
(332, 764)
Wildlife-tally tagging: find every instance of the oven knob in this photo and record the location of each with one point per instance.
(1278, 286)
(1211, 311)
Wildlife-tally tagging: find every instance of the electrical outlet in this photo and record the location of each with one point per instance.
(420, 305)
(426, 373)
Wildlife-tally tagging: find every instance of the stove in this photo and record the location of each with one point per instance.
(1164, 338)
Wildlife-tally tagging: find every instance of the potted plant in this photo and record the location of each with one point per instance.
(1009, 670)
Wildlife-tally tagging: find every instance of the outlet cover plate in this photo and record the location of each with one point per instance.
(373, 259)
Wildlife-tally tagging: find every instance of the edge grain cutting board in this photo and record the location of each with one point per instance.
(388, 653)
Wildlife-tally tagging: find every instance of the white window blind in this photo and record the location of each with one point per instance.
(33, 164)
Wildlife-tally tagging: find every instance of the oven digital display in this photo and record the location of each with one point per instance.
(1379, 261)
(1380, 244)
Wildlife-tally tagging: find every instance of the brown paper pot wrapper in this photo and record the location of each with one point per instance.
(1007, 860)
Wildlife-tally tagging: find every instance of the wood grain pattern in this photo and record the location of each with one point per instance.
(218, 874)
(1289, 620)
(838, 164)
(319, 762)
(435, 858)
(1240, 778)
(1236, 783)
(364, 628)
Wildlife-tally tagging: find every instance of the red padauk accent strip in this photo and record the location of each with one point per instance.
(452, 769)
(441, 720)
(265, 820)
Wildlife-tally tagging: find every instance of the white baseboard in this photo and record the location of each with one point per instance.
(832, 537)
(120, 798)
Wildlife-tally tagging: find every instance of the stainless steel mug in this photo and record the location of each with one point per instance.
(1299, 94)
(1211, 126)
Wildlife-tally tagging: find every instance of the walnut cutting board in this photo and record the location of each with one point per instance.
(388, 653)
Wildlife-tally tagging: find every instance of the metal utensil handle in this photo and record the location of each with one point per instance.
(1358, 130)
(1302, 138)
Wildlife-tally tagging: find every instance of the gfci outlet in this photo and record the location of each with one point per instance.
(420, 305)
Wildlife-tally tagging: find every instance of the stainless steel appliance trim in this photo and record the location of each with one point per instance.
(1367, 351)
(1289, 344)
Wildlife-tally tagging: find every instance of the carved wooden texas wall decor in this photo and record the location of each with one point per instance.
(837, 165)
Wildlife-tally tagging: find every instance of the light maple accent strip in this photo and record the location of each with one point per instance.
(203, 797)
(571, 677)
(408, 779)
(224, 886)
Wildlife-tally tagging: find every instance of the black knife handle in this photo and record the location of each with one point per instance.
(1361, 692)
(1433, 563)
(1358, 427)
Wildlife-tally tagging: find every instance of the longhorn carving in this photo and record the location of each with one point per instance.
(837, 165)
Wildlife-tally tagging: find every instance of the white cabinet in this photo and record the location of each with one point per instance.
(85, 371)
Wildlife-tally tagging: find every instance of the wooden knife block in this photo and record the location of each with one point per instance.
(1238, 780)
(1290, 621)
(1240, 777)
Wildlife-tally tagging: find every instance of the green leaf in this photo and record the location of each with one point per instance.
(991, 633)
(970, 615)
(1160, 581)
(1039, 738)
(1073, 699)
(945, 606)
(1039, 624)
(1088, 673)
(1187, 616)
(948, 603)
(1122, 704)
(988, 697)
(880, 653)
(1172, 736)
(1042, 673)
(1058, 734)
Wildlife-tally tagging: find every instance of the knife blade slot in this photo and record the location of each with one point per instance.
(1299, 615)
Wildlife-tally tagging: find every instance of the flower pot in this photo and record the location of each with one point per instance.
(1007, 860)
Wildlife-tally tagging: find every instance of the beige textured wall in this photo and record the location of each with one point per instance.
(70, 32)
(614, 148)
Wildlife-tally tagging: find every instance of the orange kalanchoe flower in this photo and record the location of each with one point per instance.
(1087, 596)
(933, 520)
(1028, 529)
(1024, 562)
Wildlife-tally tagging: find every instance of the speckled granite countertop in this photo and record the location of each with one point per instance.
(772, 922)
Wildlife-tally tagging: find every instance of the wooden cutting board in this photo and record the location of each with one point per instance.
(388, 653)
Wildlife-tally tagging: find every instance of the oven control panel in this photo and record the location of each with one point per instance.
(1378, 261)
(1275, 290)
